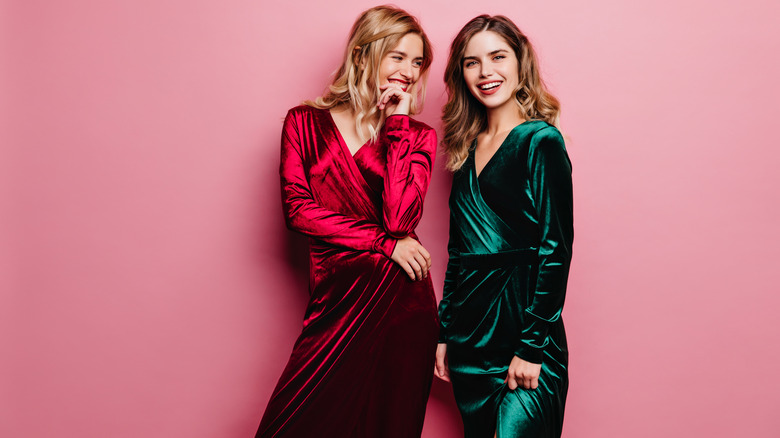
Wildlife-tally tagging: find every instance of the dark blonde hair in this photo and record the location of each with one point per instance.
(376, 32)
(464, 117)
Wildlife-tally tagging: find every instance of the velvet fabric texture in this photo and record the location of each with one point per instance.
(511, 233)
(363, 364)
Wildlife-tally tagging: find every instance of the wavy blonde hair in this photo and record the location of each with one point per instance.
(464, 116)
(376, 32)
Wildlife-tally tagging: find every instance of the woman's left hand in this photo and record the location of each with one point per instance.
(441, 369)
(394, 100)
(523, 374)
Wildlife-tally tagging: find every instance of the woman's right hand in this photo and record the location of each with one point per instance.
(442, 369)
(412, 258)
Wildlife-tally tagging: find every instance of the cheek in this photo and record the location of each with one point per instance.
(469, 78)
(385, 70)
(511, 74)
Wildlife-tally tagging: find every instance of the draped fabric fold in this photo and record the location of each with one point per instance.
(511, 233)
(362, 365)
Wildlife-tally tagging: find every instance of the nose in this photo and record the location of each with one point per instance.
(485, 69)
(406, 70)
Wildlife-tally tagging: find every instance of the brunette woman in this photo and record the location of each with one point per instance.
(354, 172)
(502, 342)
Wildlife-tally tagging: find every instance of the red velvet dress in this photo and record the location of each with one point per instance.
(363, 364)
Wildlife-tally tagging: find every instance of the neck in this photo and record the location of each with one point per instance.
(347, 115)
(344, 109)
(503, 118)
(347, 111)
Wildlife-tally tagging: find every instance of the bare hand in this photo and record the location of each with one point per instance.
(394, 100)
(412, 258)
(442, 369)
(523, 374)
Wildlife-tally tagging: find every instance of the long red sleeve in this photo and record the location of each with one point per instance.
(410, 157)
(304, 215)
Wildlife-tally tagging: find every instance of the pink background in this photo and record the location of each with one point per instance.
(150, 289)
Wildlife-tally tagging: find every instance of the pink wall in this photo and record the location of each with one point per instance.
(149, 288)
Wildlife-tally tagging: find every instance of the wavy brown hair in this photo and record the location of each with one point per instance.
(376, 32)
(464, 117)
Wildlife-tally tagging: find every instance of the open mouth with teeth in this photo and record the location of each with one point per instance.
(489, 87)
(404, 85)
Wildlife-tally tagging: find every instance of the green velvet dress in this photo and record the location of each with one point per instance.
(511, 232)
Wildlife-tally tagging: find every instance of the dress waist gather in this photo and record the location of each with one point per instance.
(500, 259)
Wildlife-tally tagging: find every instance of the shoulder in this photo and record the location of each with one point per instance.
(303, 116)
(527, 138)
(547, 147)
(542, 137)
(303, 111)
(545, 135)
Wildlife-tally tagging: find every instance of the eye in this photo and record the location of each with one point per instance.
(397, 58)
(469, 63)
(417, 63)
(499, 57)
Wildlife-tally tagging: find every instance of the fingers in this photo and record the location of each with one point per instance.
(511, 382)
(424, 265)
(390, 85)
(412, 258)
(408, 269)
(426, 255)
(518, 379)
(395, 98)
(441, 374)
(440, 368)
(523, 374)
(391, 91)
(418, 270)
(423, 257)
(514, 381)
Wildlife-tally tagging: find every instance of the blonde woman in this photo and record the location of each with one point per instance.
(354, 172)
(502, 342)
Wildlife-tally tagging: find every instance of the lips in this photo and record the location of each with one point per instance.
(404, 84)
(489, 87)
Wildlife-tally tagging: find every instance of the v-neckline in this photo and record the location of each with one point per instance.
(351, 164)
(500, 146)
(340, 137)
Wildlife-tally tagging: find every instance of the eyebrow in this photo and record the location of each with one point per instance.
(494, 52)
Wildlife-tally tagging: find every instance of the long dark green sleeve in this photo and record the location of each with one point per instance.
(551, 189)
(450, 281)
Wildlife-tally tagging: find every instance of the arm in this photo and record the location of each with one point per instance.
(409, 168)
(551, 186)
(304, 215)
(450, 281)
(441, 369)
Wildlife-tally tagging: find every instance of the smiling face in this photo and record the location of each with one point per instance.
(491, 70)
(402, 65)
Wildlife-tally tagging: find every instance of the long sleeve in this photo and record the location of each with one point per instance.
(409, 163)
(450, 281)
(551, 187)
(304, 215)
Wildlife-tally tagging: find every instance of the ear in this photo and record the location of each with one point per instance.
(357, 57)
